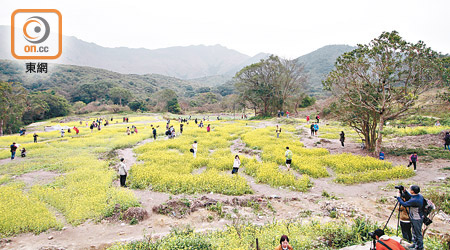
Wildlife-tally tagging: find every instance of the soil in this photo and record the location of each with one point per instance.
(372, 200)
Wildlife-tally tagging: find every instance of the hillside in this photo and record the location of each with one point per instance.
(65, 78)
(319, 63)
(181, 62)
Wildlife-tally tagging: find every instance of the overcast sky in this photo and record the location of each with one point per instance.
(286, 28)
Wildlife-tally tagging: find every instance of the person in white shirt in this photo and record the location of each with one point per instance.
(236, 164)
(194, 148)
(123, 172)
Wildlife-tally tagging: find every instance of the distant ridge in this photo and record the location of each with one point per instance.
(187, 62)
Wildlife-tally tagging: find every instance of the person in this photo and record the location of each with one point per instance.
(307, 119)
(35, 136)
(196, 121)
(76, 130)
(23, 152)
(236, 164)
(92, 127)
(194, 149)
(342, 138)
(414, 205)
(312, 129)
(201, 124)
(447, 141)
(405, 223)
(123, 172)
(208, 128)
(413, 160)
(317, 118)
(62, 132)
(316, 128)
(135, 130)
(288, 155)
(437, 123)
(287, 114)
(384, 242)
(284, 244)
(68, 130)
(13, 150)
(154, 133)
(278, 113)
(282, 113)
(382, 155)
(278, 131)
(172, 132)
(181, 128)
(128, 130)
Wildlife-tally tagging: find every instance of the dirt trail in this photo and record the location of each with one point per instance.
(361, 199)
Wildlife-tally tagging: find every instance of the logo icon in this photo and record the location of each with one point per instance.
(36, 34)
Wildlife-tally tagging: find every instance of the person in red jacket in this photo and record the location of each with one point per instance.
(383, 241)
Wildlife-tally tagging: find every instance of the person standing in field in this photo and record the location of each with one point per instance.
(307, 119)
(447, 141)
(278, 131)
(76, 130)
(342, 138)
(13, 150)
(92, 127)
(62, 132)
(317, 118)
(236, 164)
(128, 131)
(316, 128)
(181, 128)
(208, 128)
(287, 114)
(35, 136)
(194, 149)
(288, 155)
(154, 133)
(413, 160)
(123, 172)
(312, 129)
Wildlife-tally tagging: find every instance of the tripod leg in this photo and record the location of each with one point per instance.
(396, 204)
(398, 219)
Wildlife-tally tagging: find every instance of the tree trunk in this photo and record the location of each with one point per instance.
(380, 136)
(1, 127)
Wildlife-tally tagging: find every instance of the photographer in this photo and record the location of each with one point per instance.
(414, 205)
(384, 242)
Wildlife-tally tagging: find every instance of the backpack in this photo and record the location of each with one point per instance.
(428, 207)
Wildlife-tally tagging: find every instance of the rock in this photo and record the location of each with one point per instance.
(50, 237)
(121, 233)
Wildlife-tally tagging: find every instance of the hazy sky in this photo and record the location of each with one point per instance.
(286, 28)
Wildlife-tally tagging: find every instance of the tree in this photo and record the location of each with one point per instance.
(269, 84)
(12, 105)
(120, 95)
(135, 105)
(382, 80)
(173, 106)
(90, 92)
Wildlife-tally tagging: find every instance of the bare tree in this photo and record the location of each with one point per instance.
(384, 78)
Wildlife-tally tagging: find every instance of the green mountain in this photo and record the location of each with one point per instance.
(319, 63)
(65, 79)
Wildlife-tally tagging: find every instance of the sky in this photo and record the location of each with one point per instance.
(285, 28)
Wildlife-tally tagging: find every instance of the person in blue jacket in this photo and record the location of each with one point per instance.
(414, 206)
